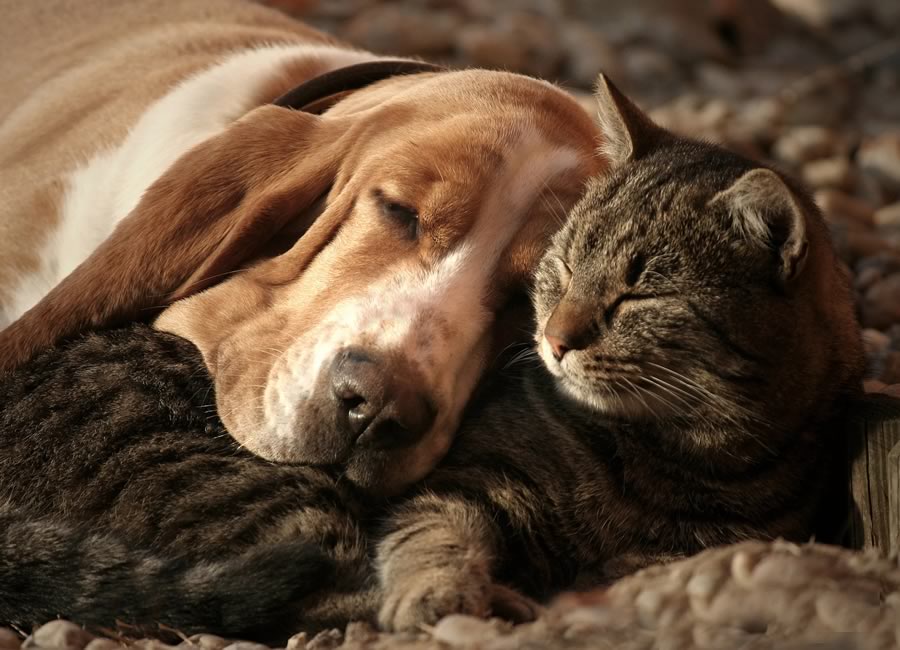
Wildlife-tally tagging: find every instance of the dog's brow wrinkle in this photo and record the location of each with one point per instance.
(431, 315)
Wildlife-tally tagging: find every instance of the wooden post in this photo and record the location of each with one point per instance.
(875, 477)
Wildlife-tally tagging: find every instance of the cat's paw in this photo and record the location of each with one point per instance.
(423, 599)
(509, 604)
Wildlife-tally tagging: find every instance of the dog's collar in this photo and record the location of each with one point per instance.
(320, 93)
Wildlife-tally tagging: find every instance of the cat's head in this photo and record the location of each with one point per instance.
(692, 282)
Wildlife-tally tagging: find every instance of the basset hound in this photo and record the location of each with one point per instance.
(341, 235)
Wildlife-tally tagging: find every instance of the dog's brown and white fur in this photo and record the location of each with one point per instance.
(364, 256)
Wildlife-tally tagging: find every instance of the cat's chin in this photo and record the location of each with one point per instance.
(607, 401)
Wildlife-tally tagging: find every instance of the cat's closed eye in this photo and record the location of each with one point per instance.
(635, 269)
(565, 273)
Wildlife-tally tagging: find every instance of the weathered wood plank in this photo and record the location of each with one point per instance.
(875, 479)
(894, 498)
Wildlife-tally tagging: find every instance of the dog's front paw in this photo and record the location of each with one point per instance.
(423, 599)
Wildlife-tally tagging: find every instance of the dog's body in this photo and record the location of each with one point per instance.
(377, 243)
(89, 118)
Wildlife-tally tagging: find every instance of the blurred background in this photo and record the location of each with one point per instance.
(812, 85)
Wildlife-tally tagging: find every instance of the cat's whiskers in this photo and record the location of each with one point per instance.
(670, 390)
(529, 354)
(723, 407)
(560, 216)
(638, 393)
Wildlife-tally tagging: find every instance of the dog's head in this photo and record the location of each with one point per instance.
(378, 247)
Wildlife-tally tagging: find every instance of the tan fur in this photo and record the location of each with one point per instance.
(87, 70)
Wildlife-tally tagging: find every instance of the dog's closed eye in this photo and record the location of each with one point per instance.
(399, 213)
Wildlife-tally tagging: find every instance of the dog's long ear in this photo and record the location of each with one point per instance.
(214, 210)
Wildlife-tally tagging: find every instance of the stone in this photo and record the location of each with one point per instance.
(864, 243)
(888, 215)
(403, 30)
(587, 55)
(875, 342)
(651, 73)
(867, 277)
(205, 642)
(837, 205)
(9, 640)
(873, 385)
(59, 634)
(326, 640)
(297, 642)
(802, 144)
(894, 333)
(359, 632)
(246, 645)
(890, 371)
(720, 81)
(822, 13)
(892, 390)
(881, 303)
(835, 173)
(465, 631)
(514, 41)
(104, 644)
(880, 157)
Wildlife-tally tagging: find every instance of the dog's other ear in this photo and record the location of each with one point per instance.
(211, 212)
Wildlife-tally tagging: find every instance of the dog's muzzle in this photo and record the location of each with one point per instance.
(379, 403)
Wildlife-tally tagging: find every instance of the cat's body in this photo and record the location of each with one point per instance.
(700, 340)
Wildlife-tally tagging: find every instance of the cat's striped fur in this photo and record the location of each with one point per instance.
(694, 406)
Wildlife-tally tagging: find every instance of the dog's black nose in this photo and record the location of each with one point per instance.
(379, 404)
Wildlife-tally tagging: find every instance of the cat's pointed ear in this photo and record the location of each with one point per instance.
(627, 132)
(767, 212)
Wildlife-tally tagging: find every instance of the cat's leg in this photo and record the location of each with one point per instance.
(438, 559)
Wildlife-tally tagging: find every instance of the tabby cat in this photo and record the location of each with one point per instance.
(696, 339)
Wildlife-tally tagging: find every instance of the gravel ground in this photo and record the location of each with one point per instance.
(755, 595)
(812, 85)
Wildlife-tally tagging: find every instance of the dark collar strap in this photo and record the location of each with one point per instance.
(309, 95)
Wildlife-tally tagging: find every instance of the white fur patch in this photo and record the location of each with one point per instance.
(105, 189)
(433, 317)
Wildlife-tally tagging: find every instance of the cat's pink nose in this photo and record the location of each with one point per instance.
(557, 345)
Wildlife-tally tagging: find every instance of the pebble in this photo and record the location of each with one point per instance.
(359, 633)
(297, 641)
(466, 631)
(588, 54)
(873, 385)
(881, 303)
(835, 172)
(326, 640)
(9, 640)
(205, 642)
(246, 645)
(403, 30)
(515, 41)
(59, 634)
(103, 644)
(892, 390)
(875, 341)
(837, 205)
(864, 243)
(803, 144)
(880, 156)
(822, 13)
(888, 215)
(890, 372)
